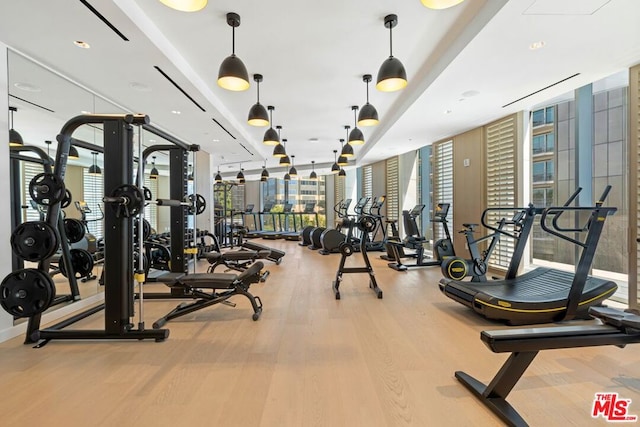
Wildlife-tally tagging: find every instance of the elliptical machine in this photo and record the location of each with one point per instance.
(331, 238)
(443, 248)
(311, 236)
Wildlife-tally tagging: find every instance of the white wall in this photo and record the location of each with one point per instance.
(204, 187)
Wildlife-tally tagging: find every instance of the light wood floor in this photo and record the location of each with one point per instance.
(309, 361)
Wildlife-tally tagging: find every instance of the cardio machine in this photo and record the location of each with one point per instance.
(443, 248)
(457, 268)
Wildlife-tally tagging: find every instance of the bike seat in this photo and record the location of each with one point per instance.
(470, 227)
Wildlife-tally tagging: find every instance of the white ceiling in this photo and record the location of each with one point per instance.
(470, 60)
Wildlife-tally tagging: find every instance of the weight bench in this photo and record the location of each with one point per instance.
(237, 260)
(222, 286)
(615, 328)
(275, 255)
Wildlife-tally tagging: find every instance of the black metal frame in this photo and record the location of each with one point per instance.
(524, 345)
(346, 250)
(118, 239)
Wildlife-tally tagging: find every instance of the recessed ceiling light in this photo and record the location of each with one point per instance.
(175, 111)
(81, 44)
(27, 86)
(140, 87)
(216, 140)
(536, 45)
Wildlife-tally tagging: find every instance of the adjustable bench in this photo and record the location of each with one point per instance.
(616, 327)
(236, 260)
(196, 286)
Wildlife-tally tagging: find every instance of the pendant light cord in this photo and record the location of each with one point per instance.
(367, 91)
(233, 40)
(390, 41)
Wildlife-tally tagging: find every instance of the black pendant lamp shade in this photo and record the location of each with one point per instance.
(271, 137)
(73, 153)
(391, 75)
(15, 139)
(265, 174)
(313, 176)
(287, 177)
(218, 178)
(368, 115)
(233, 74)
(94, 169)
(342, 160)
(284, 160)
(342, 173)
(334, 167)
(258, 115)
(347, 150)
(355, 137)
(293, 172)
(240, 177)
(185, 5)
(154, 171)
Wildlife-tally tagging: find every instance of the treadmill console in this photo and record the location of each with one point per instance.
(442, 209)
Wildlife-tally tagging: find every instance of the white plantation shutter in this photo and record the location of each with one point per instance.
(392, 189)
(151, 210)
(501, 181)
(367, 181)
(634, 182)
(442, 181)
(29, 170)
(93, 186)
(338, 188)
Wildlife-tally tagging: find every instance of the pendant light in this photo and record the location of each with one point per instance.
(293, 172)
(440, 4)
(265, 173)
(368, 114)
(154, 171)
(279, 150)
(48, 146)
(391, 75)
(313, 176)
(15, 139)
(232, 74)
(240, 176)
(94, 169)
(342, 173)
(334, 167)
(73, 153)
(347, 150)
(342, 160)
(287, 177)
(285, 160)
(271, 136)
(185, 5)
(258, 115)
(218, 178)
(355, 137)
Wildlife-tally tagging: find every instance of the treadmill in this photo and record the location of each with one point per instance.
(543, 295)
(309, 209)
(277, 233)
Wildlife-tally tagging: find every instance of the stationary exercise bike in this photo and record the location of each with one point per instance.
(458, 268)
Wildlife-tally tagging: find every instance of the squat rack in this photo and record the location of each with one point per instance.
(118, 240)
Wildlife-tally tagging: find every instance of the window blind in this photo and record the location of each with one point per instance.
(393, 189)
(29, 170)
(442, 181)
(367, 181)
(501, 181)
(93, 187)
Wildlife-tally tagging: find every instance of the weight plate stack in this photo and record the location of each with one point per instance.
(27, 292)
(34, 241)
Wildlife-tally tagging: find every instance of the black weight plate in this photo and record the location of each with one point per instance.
(47, 189)
(34, 241)
(26, 292)
(81, 262)
(367, 224)
(346, 249)
(68, 198)
(199, 205)
(74, 229)
(146, 230)
(135, 197)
